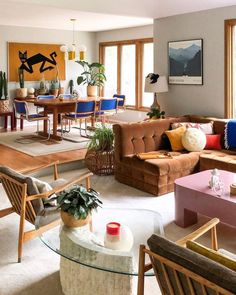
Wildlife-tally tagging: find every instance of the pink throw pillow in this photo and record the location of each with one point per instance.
(213, 142)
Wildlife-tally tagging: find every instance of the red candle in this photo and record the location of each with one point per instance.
(113, 228)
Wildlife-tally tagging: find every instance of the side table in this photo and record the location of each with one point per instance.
(5, 115)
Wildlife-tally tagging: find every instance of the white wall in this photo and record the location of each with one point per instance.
(119, 35)
(34, 35)
(207, 99)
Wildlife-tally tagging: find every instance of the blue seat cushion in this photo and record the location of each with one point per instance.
(36, 116)
(74, 116)
(99, 113)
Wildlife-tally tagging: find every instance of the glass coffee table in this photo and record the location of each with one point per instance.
(86, 262)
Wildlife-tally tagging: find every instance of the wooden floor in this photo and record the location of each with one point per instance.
(23, 162)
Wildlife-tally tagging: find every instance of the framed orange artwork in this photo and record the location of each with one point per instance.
(37, 61)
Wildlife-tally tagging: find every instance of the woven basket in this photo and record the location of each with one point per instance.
(4, 106)
(100, 163)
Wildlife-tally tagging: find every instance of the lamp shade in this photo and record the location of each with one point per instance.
(156, 87)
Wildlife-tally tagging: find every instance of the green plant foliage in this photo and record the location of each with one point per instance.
(92, 75)
(156, 114)
(3, 86)
(78, 201)
(102, 139)
(54, 85)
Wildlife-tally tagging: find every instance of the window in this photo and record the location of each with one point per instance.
(230, 68)
(127, 63)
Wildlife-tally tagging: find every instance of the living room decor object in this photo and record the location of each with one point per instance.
(175, 138)
(213, 142)
(189, 271)
(70, 50)
(193, 140)
(185, 62)
(100, 155)
(4, 102)
(26, 201)
(230, 134)
(35, 59)
(82, 254)
(54, 87)
(156, 114)
(93, 76)
(155, 84)
(193, 195)
(76, 205)
(22, 91)
(31, 92)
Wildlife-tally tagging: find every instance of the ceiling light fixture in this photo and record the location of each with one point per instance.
(70, 50)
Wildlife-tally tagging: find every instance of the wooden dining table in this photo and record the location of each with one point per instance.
(57, 106)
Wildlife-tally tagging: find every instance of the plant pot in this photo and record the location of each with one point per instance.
(61, 90)
(70, 221)
(4, 106)
(54, 92)
(100, 162)
(21, 92)
(92, 91)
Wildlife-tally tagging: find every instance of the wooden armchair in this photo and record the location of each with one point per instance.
(181, 271)
(27, 201)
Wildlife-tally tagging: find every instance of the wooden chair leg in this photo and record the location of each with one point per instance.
(21, 228)
(7, 211)
(141, 270)
(88, 183)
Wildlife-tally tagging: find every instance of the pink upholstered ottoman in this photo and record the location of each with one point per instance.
(193, 195)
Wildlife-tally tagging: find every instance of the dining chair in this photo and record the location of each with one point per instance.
(121, 102)
(107, 107)
(66, 96)
(28, 201)
(83, 110)
(43, 97)
(22, 112)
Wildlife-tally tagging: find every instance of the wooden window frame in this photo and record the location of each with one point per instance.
(229, 24)
(138, 66)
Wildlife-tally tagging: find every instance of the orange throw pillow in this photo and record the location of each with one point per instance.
(175, 138)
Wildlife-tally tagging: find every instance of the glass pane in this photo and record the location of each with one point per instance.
(128, 73)
(234, 71)
(147, 68)
(110, 71)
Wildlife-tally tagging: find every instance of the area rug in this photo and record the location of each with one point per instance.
(33, 145)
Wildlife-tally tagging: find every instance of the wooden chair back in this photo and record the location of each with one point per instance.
(16, 191)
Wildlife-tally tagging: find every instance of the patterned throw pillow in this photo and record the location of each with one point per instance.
(207, 128)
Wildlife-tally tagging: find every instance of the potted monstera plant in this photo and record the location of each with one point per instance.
(93, 76)
(76, 205)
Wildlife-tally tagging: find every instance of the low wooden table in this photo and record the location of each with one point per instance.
(193, 195)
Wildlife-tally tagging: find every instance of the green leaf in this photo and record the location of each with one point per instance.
(80, 80)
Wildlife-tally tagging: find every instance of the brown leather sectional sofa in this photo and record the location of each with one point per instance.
(157, 176)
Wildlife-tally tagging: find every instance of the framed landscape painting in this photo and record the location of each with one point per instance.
(185, 62)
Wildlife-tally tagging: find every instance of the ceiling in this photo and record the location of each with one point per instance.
(97, 15)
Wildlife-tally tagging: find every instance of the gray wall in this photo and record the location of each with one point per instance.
(207, 99)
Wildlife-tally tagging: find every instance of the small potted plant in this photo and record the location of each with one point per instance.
(54, 87)
(156, 114)
(100, 154)
(76, 205)
(4, 102)
(93, 75)
(22, 91)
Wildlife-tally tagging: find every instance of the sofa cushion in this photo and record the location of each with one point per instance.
(211, 254)
(194, 262)
(194, 140)
(175, 137)
(207, 128)
(224, 160)
(213, 142)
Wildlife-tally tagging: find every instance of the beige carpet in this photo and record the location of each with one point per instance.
(29, 143)
(38, 274)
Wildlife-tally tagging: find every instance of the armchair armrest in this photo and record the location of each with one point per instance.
(58, 189)
(211, 225)
(55, 172)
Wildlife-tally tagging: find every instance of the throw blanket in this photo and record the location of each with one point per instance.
(230, 134)
(154, 155)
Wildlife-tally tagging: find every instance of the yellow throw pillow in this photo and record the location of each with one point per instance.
(211, 254)
(175, 138)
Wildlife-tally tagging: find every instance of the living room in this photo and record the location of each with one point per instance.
(134, 193)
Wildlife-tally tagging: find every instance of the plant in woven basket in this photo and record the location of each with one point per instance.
(78, 202)
(102, 139)
(100, 155)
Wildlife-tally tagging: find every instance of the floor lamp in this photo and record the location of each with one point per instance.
(155, 84)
